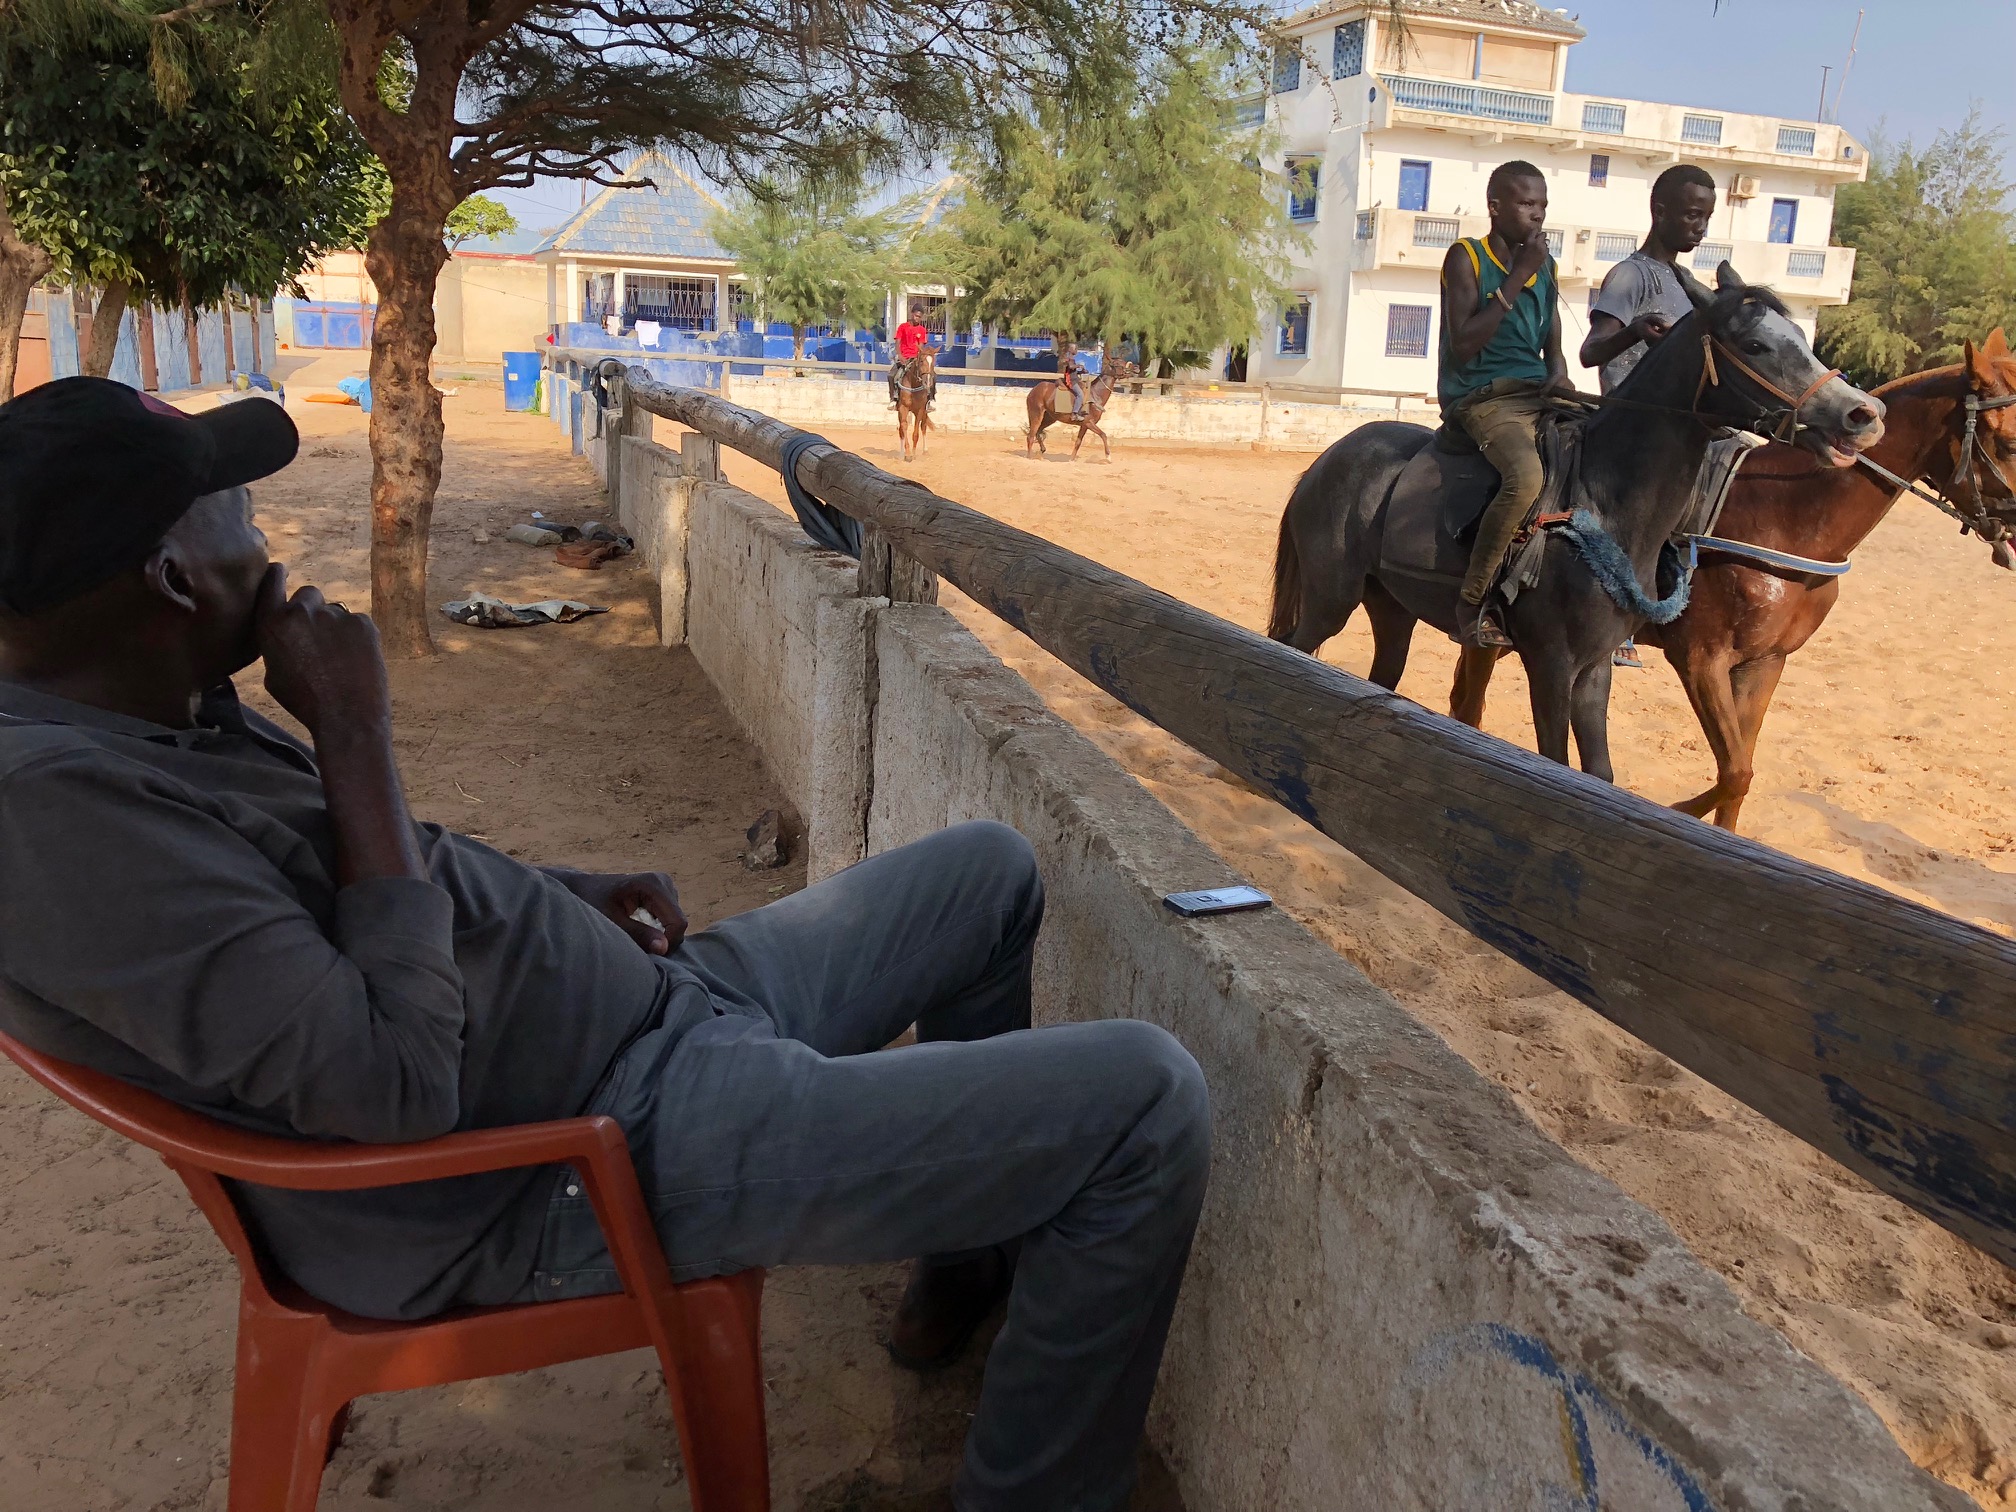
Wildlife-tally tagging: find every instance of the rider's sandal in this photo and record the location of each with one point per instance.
(1626, 655)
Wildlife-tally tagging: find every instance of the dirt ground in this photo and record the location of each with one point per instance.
(582, 744)
(1887, 757)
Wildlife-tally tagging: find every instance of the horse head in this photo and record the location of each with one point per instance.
(1984, 450)
(1757, 366)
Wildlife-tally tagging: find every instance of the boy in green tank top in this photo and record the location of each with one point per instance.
(1500, 359)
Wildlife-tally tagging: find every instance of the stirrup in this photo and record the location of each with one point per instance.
(1478, 626)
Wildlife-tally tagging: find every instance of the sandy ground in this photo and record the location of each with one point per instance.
(1887, 757)
(582, 744)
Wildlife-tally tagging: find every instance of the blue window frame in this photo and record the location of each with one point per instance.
(1599, 170)
(1347, 51)
(1294, 340)
(1305, 176)
(1407, 330)
(1784, 220)
(1287, 68)
(1413, 185)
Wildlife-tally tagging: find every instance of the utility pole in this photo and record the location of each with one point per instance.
(1825, 69)
(1852, 41)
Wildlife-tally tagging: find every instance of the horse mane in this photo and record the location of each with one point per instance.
(1718, 312)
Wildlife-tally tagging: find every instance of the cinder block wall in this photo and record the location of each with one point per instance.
(1404, 1295)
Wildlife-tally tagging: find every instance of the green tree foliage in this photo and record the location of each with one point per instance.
(479, 216)
(1148, 215)
(810, 252)
(229, 190)
(1933, 261)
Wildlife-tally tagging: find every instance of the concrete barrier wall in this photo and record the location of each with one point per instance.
(1196, 419)
(1404, 1295)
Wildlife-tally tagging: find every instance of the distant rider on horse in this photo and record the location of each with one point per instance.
(1071, 372)
(913, 338)
(1500, 362)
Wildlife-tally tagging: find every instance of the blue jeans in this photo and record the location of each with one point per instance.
(771, 1136)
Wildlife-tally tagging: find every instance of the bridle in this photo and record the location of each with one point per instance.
(1786, 422)
(1962, 497)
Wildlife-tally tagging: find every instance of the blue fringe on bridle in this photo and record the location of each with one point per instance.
(1613, 571)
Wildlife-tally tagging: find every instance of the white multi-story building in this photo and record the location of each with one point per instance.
(1395, 135)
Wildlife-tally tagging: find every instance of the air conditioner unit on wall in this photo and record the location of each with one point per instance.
(1744, 186)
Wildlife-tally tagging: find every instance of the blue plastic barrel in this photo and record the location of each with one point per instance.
(521, 380)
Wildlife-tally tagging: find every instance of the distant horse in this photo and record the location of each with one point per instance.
(1737, 359)
(913, 402)
(1045, 398)
(1746, 616)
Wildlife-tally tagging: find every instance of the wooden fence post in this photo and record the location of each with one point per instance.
(700, 457)
(892, 574)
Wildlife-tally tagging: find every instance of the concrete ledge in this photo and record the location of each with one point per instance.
(1404, 1295)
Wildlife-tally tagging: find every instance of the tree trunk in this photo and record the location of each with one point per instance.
(22, 266)
(106, 320)
(798, 344)
(405, 257)
(191, 337)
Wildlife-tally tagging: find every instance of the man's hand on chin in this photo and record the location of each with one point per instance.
(621, 898)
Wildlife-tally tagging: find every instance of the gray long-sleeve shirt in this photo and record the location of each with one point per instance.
(169, 914)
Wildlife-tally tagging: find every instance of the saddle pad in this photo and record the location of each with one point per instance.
(1437, 501)
(1060, 402)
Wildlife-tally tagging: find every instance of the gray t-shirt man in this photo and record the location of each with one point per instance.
(1637, 286)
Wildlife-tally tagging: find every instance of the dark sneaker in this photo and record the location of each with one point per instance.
(943, 1306)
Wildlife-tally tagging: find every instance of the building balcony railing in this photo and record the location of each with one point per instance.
(1584, 254)
(1470, 100)
(1648, 130)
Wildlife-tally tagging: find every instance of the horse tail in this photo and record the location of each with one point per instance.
(1286, 612)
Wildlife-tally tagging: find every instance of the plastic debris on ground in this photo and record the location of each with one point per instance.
(487, 613)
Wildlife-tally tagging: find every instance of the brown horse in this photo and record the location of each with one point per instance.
(1744, 618)
(1044, 413)
(913, 403)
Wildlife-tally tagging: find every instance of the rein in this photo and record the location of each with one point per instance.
(1971, 508)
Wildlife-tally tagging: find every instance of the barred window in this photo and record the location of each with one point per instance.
(1347, 50)
(1294, 340)
(1407, 330)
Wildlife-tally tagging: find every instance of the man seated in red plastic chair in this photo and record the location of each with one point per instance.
(194, 901)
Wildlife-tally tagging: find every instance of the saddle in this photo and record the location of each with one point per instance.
(1439, 498)
(1060, 401)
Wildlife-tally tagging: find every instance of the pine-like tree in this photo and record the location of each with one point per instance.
(1149, 216)
(811, 252)
(1934, 265)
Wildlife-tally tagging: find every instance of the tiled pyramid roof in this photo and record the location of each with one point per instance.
(666, 218)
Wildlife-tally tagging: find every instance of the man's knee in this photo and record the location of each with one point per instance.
(1147, 1067)
(1520, 475)
(1001, 857)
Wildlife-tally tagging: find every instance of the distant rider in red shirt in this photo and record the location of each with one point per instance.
(913, 337)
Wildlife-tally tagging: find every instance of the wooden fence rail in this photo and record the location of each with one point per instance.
(1881, 1032)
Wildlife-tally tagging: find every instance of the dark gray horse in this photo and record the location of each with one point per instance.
(1737, 360)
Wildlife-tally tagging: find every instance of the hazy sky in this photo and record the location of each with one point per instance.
(1918, 65)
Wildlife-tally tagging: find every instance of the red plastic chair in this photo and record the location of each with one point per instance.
(301, 1362)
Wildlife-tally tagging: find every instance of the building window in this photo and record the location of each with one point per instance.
(1249, 112)
(1294, 340)
(1287, 68)
(685, 304)
(1711, 255)
(1413, 185)
(1347, 51)
(1805, 264)
(1796, 141)
(1704, 130)
(1365, 219)
(1556, 241)
(1599, 170)
(1614, 246)
(1407, 330)
(1305, 176)
(1784, 220)
(1605, 118)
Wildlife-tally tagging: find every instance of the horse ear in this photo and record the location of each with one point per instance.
(1980, 367)
(1697, 293)
(1996, 346)
(1727, 278)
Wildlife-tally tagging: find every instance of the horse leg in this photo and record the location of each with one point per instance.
(1550, 684)
(1474, 666)
(1078, 443)
(1104, 442)
(1589, 716)
(1711, 689)
(1754, 683)
(1392, 633)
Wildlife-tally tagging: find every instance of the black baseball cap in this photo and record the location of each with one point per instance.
(93, 474)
